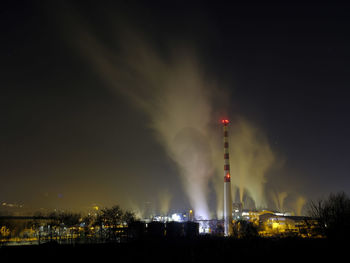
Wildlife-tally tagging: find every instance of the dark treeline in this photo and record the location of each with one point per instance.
(333, 215)
(107, 224)
(116, 225)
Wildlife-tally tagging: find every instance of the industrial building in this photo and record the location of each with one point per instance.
(273, 224)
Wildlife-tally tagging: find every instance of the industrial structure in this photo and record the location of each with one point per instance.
(227, 183)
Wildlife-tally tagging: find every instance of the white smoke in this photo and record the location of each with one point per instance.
(278, 199)
(299, 205)
(251, 157)
(174, 93)
(164, 197)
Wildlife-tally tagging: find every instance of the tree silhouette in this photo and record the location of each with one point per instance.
(62, 224)
(129, 217)
(111, 221)
(333, 215)
(245, 229)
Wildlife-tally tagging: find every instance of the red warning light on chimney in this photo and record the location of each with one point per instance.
(225, 121)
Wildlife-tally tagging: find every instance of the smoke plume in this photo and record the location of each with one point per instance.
(164, 202)
(278, 199)
(178, 99)
(175, 96)
(250, 157)
(299, 205)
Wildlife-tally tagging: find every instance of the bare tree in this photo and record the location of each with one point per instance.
(245, 229)
(88, 224)
(62, 224)
(109, 220)
(333, 215)
(112, 222)
(129, 217)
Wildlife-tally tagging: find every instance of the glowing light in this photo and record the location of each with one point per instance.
(176, 217)
(225, 121)
(275, 225)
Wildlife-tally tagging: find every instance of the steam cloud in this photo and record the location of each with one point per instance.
(164, 202)
(250, 157)
(174, 93)
(175, 97)
(278, 199)
(299, 204)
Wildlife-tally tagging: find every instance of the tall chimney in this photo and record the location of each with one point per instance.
(227, 183)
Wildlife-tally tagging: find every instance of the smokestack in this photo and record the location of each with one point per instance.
(227, 183)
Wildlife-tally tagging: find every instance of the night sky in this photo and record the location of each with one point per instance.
(81, 121)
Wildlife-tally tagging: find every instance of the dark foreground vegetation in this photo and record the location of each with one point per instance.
(200, 249)
(333, 215)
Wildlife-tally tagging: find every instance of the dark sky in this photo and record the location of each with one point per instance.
(67, 141)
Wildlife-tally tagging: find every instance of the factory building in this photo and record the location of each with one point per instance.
(270, 223)
(273, 224)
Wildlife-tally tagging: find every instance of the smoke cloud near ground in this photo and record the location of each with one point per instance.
(251, 156)
(164, 201)
(174, 91)
(278, 199)
(299, 205)
(175, 97)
